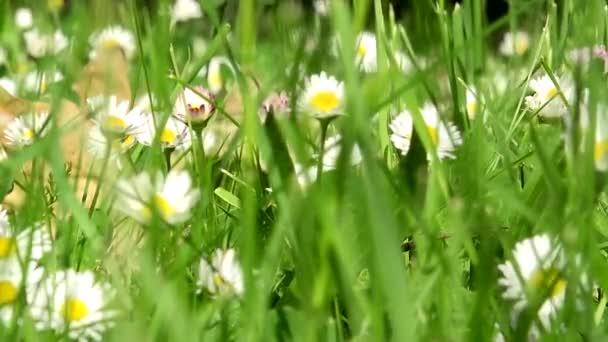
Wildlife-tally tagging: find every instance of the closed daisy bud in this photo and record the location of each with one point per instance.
(24, 130)
(323, 96)
(195, 105)
(536, 269)
(171, 198)
(514, 44)
(222, 276)
(44, 44)
(113, 37)
(72, 302)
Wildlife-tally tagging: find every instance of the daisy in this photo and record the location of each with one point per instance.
(366, 56)
(215, 80)
(184, 10)
(536, 269)
(113, 37)
(323, 96)
(38, 82)
(601, 143)
(332, 151)
(321, 7)
(12, 276)
(172, 198)
(23, 18)
(191, 106)
(30, 244)
(24, 130)
(546, 96)
(172, 134)
(103, 145)
(72, 302)
(9, 85)
(114, 116)
(472, 103)
(43, 44)
(513, 44)
(401, 132)
(305, 175)
(223, 276)
(445, 136)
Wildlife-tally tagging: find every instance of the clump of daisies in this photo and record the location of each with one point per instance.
(322, 97)
(546, 98)
(221, 275)
(72, 302)
(111, 38)
(535, 271)
(24, 130)
(169, 197)
(445, 136)
(514, 44)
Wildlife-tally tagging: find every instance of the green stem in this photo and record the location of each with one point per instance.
(324, 125)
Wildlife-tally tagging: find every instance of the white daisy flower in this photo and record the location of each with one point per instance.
(321, 7)
(516, 43)
(43, 44)
(23, 18)
(546, 96)
(114, 116)
(39, 82)
(331, 154)
(223, 276)
(401, 128)
(366, 56)
(172, 198)
(173, 133)
(9, 85)
(601, 142)
(113, 37)
(184, 10)
(11, 280)
(323, 96)
(473, 102)
(305, 175)
(72, 302)
(104, 145)
(535, 270)
(445, 136)
(215, 80)
(24, 130)
(29, 245)
(191, 106)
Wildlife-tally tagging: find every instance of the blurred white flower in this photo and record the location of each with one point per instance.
(403, 62)
(322, 7)
(171, 198)
(546, 96)
(113, 37)
(115, 116)
(72, 302)
(36, 81)
(333, 147)
(516, 43)
(601, 141)
(9, 85)
(215, 80)
(184, 10)
(401, 128)
(23, 18)
(536, 269)
(43, 44)
(473, 102)
(173, 134)
(25, 129)
(366, 57)
(12, 276)
(445, 136)
(195, 105)
(223, 276)
(103, 145)
(323, 96)
(29, 244)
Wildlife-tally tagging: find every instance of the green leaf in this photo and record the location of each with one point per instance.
(228, 197)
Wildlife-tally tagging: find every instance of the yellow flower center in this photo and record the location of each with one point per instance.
(551, 279)
(163, 206)
(28, 134)
(325, 101)
(168, 137)
(115, 123)
(127, 141)
(601, 148)
(8, 292)
(74, 310)
(110, 43)
(7, 246)
(552, 92)
(22, 68)
(361, 51)
(215, 79)
(521, 46)
(218, 280)
(472, 107)
(433, 134)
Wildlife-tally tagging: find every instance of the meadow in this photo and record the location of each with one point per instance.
(277, 170)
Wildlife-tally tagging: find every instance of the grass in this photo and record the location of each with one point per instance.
(396, 248)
